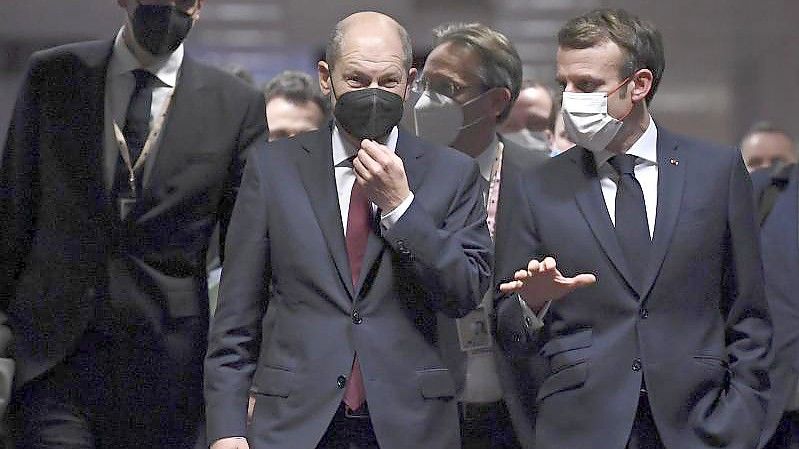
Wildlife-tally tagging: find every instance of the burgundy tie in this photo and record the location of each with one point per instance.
(357, 236)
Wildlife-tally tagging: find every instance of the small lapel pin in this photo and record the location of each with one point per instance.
(674, 162)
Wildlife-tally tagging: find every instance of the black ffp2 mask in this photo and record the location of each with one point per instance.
(368, 113)
(160, 29)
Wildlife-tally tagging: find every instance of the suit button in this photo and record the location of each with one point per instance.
(341, 382)
(356, 317)
(644, 314)
(636, 364)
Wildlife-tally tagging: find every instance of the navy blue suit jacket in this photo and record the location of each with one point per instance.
(779, 238)
(286, 232)
(698, 331)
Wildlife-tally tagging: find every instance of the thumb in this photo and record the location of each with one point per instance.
(583, 280)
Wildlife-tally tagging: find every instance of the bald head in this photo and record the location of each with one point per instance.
(371, 26)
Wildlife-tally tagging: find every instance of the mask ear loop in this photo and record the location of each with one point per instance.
(470, 101)
(607, 95)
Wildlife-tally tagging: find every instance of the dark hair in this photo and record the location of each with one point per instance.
(333, 48)
(500, 63)
(296, 87)
(638, 39)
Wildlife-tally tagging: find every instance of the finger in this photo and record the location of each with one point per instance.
(521, 275)
(510, 287)
(368, 162)
(362, 174)
(532, 266)
(376, 150)
(548, 264)
(583, 280)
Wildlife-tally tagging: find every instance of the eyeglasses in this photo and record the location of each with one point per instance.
(443, 86)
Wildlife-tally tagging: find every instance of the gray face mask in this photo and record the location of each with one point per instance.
(437, 118)
(531, 140)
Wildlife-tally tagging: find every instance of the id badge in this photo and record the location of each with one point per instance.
(474, 331)
(126, 206)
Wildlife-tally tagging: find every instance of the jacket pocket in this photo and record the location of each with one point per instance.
(273, 381)
(436, 384)
(567, 378)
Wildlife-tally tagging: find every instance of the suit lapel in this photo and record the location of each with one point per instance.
(409, 151)
(316, 170)
(671, 178)
(90, 122)
(591, 203)
(180, 133)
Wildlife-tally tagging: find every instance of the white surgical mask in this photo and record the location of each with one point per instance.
(531, 140)
(587, 121)
(436, 117)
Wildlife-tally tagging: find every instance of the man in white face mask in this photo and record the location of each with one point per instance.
(531, 120)
(657, 333)
(468, 85)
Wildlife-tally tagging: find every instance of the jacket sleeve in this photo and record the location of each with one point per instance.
(453, 262)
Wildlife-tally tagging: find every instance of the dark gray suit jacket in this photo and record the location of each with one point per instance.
(65, 252)
(779, 238)
(286, 231)
(698, 331)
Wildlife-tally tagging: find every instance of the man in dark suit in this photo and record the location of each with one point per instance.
(475, 73)
(120, 158)
(364, 233)
(777, 195)
(661, 339)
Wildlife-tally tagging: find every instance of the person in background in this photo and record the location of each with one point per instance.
(766, 145)
(467, 88)
(354, 236)
(560, 140)
(294, 105)
(634, 272)
(777, 198)
(530, 122)
(121, 157)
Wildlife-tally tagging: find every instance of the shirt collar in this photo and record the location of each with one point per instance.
(123, 61)
(644, 148)
(485, 160)
(343, 149)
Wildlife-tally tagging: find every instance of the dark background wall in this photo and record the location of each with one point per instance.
(729, 62)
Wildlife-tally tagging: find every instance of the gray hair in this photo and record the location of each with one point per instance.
(500, 63)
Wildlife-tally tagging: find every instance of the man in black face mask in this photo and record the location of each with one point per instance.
(364, 233)
(118, 164)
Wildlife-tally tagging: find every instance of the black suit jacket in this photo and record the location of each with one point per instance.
(698, 331)
(66, 255)
(286, 231)
(779, 238)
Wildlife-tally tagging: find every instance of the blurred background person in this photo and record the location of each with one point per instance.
(294, 104)
(466, 89)
(560, 140)
(777, 195)
(121, 157)
(767, 145)
(530, 123)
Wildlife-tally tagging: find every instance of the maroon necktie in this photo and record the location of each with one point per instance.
(357, 236)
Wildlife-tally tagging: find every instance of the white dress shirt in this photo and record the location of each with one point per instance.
(345, 178)
(120, 82)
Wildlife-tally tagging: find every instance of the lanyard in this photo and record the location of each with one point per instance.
(149, 145)
(493, 190)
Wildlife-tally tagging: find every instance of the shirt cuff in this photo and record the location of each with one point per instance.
(387, 221)
(533, 321)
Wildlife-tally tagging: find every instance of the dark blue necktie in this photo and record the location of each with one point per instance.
(632, 228)
(137, 119)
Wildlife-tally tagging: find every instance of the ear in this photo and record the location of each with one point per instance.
(642, 84)
(325, 78)
(412, 74)
(500, 99)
